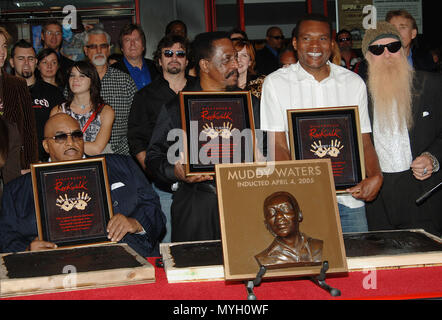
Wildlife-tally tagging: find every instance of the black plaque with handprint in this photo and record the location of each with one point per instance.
(72, 201)
(329, 133)
(219, 129)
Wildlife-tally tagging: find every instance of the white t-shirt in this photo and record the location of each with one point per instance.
(295, 88)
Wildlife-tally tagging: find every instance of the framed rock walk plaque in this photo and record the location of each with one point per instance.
(72, 201)
(219, 128)
(282, 215)
(332, 133)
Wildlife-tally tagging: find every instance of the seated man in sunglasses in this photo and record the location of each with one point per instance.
(405, 109)
(137, 220)
(314, 82)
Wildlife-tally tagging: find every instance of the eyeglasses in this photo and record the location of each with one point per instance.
(49, 33)
(344, 39)
(178, 53)
(95, 46)
(76, 135)
(378, 49)
(277, 37)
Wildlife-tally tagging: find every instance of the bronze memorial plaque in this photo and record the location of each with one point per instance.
(72, 201)
(329, 133)
(282, 216)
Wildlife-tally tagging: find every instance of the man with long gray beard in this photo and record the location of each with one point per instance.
(405, 110)
(117, 87)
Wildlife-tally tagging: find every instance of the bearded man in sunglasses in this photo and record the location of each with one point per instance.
(137, 220)
(405, 109)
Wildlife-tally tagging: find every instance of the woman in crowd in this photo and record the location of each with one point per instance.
(49, 68)
(85, 104)
(247, 78)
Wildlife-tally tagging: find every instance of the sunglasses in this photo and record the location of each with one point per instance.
(277, 37)
(344, 39)
(378, 49)
(76, 135)
(95, 46)
(178, 53)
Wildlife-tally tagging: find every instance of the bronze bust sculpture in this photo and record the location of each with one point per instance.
(290, 247)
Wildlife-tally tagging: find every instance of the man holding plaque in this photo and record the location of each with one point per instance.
(405, 109)
(194, 211)
(137, 219)
(314, 82)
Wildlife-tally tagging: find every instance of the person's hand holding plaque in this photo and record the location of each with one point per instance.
(120, 225)
(180, 173)
(38, 245)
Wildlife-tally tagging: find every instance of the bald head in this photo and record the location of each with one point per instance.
(71, 148)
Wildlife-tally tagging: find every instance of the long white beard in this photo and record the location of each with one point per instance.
(389, 81)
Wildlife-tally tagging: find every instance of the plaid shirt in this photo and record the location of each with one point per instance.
(117, 90)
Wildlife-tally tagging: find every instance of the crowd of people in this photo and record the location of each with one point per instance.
(53, 109)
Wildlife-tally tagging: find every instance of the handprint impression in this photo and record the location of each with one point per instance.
(335, 148)
(82, 201)
(225, 132)
(318, 149)
(65, 204)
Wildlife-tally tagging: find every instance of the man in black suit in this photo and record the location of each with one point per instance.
(132, 42)
(404, 107)
(137, 220)
(267, 59)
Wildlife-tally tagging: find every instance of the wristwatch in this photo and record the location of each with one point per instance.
(436, 165)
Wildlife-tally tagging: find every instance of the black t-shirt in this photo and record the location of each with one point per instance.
(45, 96)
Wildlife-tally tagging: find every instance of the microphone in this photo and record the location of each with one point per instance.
(427, 194)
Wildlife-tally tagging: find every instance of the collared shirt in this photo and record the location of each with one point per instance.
(117, 90)
(295, 88)
(275, 53)
(392, 143)
(410, 58)
(141, 76)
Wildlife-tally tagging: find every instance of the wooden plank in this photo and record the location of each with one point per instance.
(71, 280)
(188, 274)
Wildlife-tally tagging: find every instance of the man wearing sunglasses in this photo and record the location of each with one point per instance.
(171, 58)
(137, 220)
(117, 87)
(349, 58)
(194, 210)
(267, 59)
(405, 109)
(315, 82)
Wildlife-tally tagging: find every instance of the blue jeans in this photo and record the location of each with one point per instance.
(166, 203)
(352, 219)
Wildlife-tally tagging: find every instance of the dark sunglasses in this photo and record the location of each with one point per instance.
(76, 135)
(178, 53)
(344, 39)
(378, 49)
(277, 37)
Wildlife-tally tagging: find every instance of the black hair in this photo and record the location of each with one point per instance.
(312, 17)
(172, 23)
(88, 69)
(21, 44)
(342, 32)
(167, 42)
(202, 46)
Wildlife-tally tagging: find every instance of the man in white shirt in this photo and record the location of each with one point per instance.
(314, 82)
